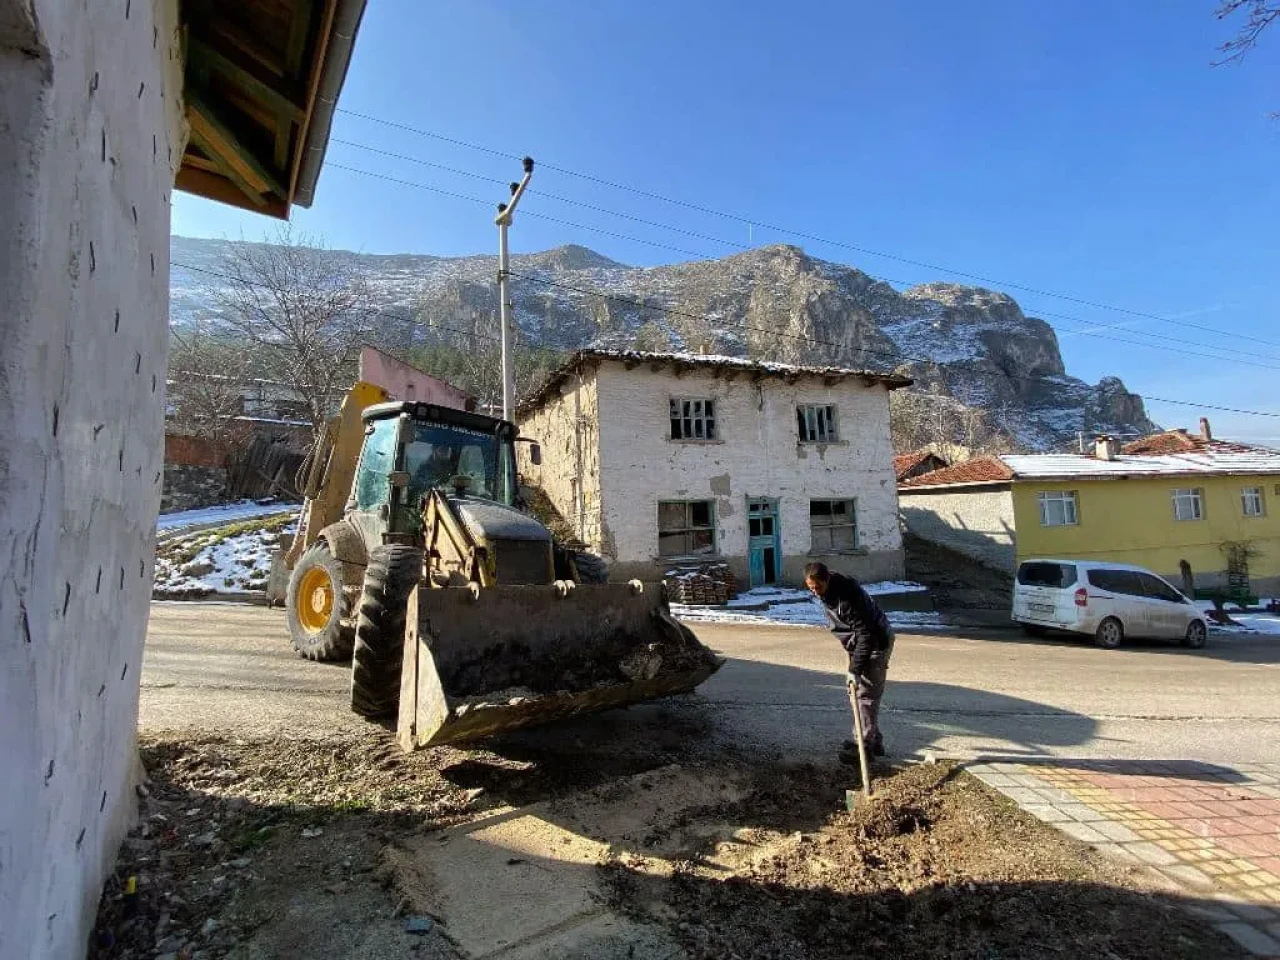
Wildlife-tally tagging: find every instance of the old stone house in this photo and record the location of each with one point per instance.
(659, 459)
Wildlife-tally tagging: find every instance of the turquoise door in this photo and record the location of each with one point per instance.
(763, 541)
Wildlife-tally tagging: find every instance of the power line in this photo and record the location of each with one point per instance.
(622, 236)
(744, 326)
(670, 311)
(752, 222)
(385, 313)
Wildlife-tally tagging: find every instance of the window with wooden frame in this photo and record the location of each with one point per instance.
(833, 525)
(816, 423)
(693, 419)
(686, 528)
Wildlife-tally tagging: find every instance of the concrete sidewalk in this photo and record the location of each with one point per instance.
(1211, 831)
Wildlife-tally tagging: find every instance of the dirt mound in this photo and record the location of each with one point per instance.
(934, 867)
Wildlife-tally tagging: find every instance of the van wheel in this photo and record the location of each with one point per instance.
(1110, 634)
(1033, 631)
(1196, 636)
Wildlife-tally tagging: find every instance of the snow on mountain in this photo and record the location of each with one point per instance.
(772, 303)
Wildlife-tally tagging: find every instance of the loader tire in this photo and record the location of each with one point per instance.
(590, 568)
(391, 576)
(319, 625)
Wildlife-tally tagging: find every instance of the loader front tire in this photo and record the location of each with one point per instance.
(391, 576)
(317, 606)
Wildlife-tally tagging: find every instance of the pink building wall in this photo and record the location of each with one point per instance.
(404, 382)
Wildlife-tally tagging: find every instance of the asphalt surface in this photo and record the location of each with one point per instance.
(229, 669)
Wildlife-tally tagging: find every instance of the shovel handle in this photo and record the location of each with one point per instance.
(862, 746)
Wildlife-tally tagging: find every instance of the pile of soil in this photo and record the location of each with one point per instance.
(935, 866)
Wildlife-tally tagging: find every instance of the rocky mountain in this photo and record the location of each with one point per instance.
(774, 303)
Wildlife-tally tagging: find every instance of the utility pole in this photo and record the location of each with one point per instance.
(506, 211)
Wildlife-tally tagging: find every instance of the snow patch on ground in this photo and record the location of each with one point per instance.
(220, 564)
(223, 513)
(790, 607)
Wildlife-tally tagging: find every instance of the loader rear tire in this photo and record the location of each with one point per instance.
(317, 606)
(591, 568)
(391, 576)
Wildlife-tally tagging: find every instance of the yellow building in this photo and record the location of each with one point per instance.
(1162, 502)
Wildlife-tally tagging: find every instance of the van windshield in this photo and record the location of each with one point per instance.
(1041, 574)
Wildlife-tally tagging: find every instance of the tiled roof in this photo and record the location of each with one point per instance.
(691, 361)
(1180, 441)
(979, 470)
(904, 463)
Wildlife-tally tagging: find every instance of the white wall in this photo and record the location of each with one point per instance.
(84, 278)
(757, 456)
(976, 522)
(567, 429)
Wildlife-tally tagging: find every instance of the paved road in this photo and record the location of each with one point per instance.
(228, 668)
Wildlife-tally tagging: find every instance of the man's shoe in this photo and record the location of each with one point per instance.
(850, 747)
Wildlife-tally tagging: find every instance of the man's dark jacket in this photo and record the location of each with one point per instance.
(856, 620)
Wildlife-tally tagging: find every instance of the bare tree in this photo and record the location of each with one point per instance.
(1260, 14)
(931, 419)
(208, 376)
(303, 309)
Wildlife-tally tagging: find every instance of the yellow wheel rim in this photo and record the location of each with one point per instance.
(314, 599)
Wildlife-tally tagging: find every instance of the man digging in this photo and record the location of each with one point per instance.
(864, 632)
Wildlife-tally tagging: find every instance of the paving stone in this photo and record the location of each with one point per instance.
(1210, 913)
(1047, 812)
(1082, 812)
(1055, 796)
(1118, 851)
(1254, 940)
(1082, 831)
(1021, 794)
(997, 780)
(1117, 832)
(1252, 912)
(1152, 854)
(1187, 876)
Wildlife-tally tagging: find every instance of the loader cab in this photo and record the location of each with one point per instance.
(411, 448)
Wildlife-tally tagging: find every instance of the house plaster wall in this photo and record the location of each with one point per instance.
(978, 522)
(757, 455)
(567, 428)
(91, 132)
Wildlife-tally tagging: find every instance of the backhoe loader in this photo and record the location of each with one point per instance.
(460, 613)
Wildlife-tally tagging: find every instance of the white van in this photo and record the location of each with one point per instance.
(1110, 601)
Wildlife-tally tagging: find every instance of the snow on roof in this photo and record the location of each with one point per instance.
(1049, 465)
(1215, 459)
(682, 361)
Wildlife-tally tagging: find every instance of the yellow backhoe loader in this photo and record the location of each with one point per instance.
(460, 613)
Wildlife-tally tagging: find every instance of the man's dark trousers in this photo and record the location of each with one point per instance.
(867, 695)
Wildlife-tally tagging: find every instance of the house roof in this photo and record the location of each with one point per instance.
(1180, 441)
(979, 471)
(1049, 466)
(681, 362)
(904, 463)
(1214, 458)
(261, 84)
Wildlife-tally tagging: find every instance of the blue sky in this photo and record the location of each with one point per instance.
(1086, 148)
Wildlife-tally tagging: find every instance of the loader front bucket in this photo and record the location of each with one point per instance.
(477, 663)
